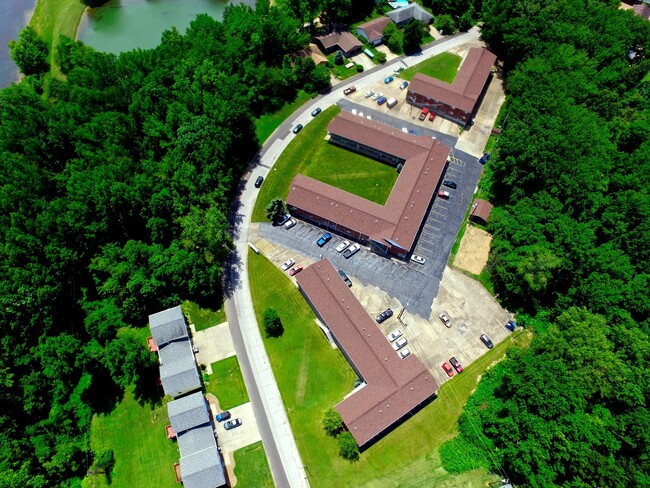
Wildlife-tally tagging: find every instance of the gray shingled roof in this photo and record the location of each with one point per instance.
(167, 325)
(203, 469)
(195, 440)
(188, 412)
(178, 371)
(412, 11)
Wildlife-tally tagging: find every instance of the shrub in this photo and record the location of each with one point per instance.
(272, 323)
(332, 422)
(445, 24)
(359, 68)
(380, 57)
(458, 456)
(348, 448)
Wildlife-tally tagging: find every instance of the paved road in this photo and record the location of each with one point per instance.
(286, 466)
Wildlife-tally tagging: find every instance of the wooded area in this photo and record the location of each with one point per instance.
(115, 190)
(570, 251)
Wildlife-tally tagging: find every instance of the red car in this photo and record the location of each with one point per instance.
(454, 362)
(447, 369)
(432, 116)
(443, 194)
(349, 89)
(295, 270)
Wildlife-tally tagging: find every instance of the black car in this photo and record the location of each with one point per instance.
(345, 278)
(297, 128)
(486, 340)
(384, 315)
(259, 181)
(485, 158)
(223, 416)
(315, 112)
(449, 184)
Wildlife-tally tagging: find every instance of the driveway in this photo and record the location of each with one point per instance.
(214, 343)
(244, 435)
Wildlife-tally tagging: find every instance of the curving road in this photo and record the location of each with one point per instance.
(280, 445)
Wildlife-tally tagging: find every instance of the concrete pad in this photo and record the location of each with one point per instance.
(242, 436)
(214, 345)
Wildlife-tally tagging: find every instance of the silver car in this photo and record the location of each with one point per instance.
(288, 264)
(400, 343)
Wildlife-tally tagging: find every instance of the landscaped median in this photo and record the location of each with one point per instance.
(313, 377)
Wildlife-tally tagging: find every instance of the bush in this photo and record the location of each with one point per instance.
(104, 461)
(332, 422)
(458, 456)
(380, 57)
(275, 210)
(348, 448)
(359, 68)
(272, 323)
(445, 24)
(395, 43)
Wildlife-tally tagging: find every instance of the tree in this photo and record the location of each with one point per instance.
(332, 422)
(392, 37)
(380, 57)
(445, 24)
(413, 35)
(276, 209)
(30, 52)
(348, 448)
(272, 323)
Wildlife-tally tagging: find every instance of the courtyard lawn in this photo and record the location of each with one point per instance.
(227, 384)
(144, 457)
(310, 154)
(252, 468)
(203, 318)
(444, 67)
(266, 124)
(312, 377)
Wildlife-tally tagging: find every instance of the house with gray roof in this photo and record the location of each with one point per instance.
(178, 372)
(188, 412)
(167, 326)
(414, 11)
(203, 469)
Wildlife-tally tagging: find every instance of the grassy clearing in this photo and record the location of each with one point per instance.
(310, 154)
(312, 376)
(144, 457)
(444, 67)
(203, 318)
(54, 18)
(252, 468)
(266, 124)
(340, 71)
(227, 384)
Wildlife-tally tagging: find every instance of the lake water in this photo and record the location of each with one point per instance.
(123, 25)
(14, 15)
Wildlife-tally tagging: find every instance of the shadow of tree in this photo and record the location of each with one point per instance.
(104, 394)
(147, 390)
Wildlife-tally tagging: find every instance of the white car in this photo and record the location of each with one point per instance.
(398, 68)
(288, 264)
(290, 223)
(404, 353)
(376, 96)
(399, 343)
(369, 93)
(417, 259)
(444, 318)
(343, 246)
(396, 334)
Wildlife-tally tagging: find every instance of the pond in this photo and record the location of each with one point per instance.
(123, 25)
(14, 15)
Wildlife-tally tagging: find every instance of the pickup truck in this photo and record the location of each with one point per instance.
(349, 89)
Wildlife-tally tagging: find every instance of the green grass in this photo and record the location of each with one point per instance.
(310, 154)
(340, 71)
(227, 384)
(53, 18)
(252, 468)
(444, 67)
(144, 457)
(312, 377)
(203, 318)
(266, 124)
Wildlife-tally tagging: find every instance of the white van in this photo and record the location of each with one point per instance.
(391, 102)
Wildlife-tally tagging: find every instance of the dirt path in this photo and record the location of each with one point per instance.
(474, 250)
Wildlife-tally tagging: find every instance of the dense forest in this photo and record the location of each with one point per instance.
(115, 187)
(570, 252)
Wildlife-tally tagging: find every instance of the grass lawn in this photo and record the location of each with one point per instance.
(227, 383)
(144, 457)
(203, 318)
(266, 124)
(312, 377)
(252, 468)
(310, 154)
(444, 67)
(340, 71)
(53, 18)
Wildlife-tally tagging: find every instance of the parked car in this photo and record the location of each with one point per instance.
(283, 220)
(289, 223)
(288, 264)
(511, 325)
(324, 239)
(349, 89)
(376, 96)
(297, 128)
(447, 369)
(443, 194)
(315, 112)
(223, 416)
(444, 318)
(398, 68)
(381, 100)
(388, 79)
(345, 278)
(432, 115)
(386, 314)
(417, 259)
(351, 251)
(485, 158)
(368, 94)
(486, 340)
(404, 353)
(450, 184)
(400, 343)
(423, 114)
(231, 424)
(396, 334)
(454, 362)
(295, 270)
(403, 85)
(343, 246)
(259, 181)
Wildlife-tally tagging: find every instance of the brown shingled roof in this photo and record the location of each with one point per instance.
(463, 93)
(343, 39)
(401, 217)
(374, 28)
(394, 386)
(481, 211)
